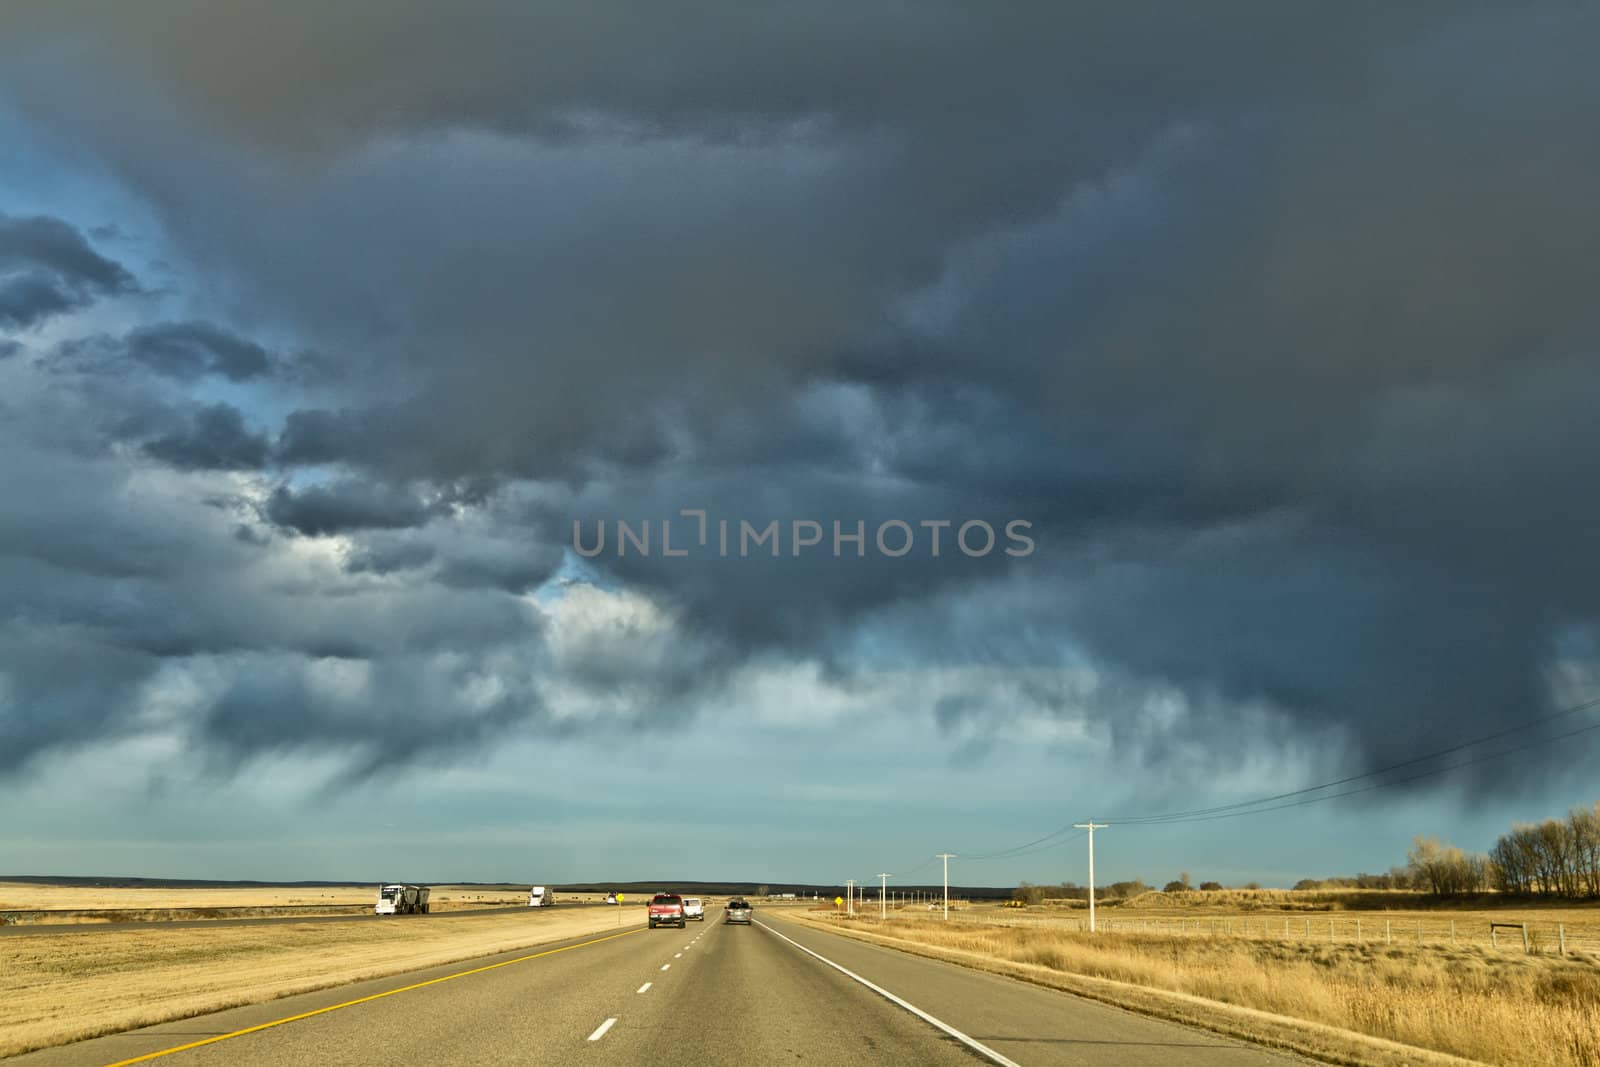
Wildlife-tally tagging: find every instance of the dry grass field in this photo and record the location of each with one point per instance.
(1362, 916)
(27, 896)
(58, 988)
(1503, 1007)
(112, 904)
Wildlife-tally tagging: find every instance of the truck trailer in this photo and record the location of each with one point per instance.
(401, 899)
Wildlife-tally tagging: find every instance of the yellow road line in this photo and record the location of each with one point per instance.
(364, 1000)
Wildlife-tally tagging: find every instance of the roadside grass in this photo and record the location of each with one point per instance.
(1465, 1001)
(29, 904)
(1306, 915)
(59, 988)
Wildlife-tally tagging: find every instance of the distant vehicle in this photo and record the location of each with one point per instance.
(611, 898)
(694, 909)
(737, 911)
(400, 899)
(540, 897)
(666, 909)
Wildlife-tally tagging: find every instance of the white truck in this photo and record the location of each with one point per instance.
(540, 897)
(401, 899)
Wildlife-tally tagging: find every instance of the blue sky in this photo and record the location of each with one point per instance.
(1286, 356)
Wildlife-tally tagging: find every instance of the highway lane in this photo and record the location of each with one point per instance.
(48, 929)
(1027, 1023)
(711, 994)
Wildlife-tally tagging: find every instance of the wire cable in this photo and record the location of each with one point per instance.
(1174, 816)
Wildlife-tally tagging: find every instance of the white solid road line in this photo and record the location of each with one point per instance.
(643, 988)
(600, 1031)
(977, 1046)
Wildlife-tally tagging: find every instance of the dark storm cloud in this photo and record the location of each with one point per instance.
(277, 707)
(389, 556)
(183, 352)
(1279, 329)
(47, 268)
(348, 505)
(189, 350)
(62, 686)
(215, 438)
(459, 559)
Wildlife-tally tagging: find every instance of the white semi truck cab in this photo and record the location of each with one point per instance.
(540, 897)
(401, 899)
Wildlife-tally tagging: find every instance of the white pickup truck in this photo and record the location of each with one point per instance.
(694, 908)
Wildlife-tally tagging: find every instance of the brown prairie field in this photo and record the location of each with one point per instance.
(1469, 1000)
(1383, 917)
(64, 987)
(144, 902)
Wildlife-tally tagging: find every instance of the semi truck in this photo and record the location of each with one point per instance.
(399, 899)
(540, 897)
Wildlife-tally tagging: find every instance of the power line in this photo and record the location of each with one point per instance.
(1262, 805)
(1030, 851)
(1195, 813)
(1383, 785)
(1249, 807)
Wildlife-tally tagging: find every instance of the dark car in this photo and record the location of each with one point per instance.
(737, 911)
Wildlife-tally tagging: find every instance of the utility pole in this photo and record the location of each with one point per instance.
(1090, 826)
(947, 857)
(849, 896)
(883, 903)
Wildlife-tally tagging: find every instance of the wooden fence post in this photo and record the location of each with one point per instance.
(1452, 931)
(1525, 947)
(1358, 931)
(1388, 936)
(1561, 932)
(1330, 929)
(1419, 931)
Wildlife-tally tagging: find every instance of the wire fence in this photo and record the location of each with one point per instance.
(1543, 937)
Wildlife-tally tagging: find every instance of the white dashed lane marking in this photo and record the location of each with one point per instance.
(643, 988)
(600, 1031)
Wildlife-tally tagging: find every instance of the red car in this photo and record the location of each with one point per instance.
(666, 909)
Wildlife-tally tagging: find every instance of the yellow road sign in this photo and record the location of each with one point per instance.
(837, 901)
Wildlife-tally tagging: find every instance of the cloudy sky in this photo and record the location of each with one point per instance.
(324, 327)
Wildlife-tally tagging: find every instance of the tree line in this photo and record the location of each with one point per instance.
(1553, 858)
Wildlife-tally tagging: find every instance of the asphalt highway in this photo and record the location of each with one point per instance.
(775, 991)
